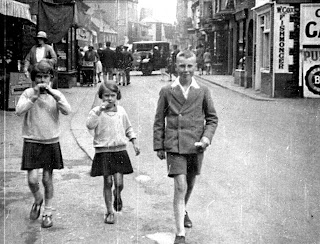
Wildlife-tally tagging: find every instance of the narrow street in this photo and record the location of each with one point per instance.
(259, 182)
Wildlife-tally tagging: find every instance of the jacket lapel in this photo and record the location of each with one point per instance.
(192, 96)
(178, 95)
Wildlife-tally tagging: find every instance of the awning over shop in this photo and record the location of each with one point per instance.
(55, 19)
(15, 9)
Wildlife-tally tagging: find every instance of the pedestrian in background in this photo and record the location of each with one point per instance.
(108, 61)
(128, 59)
(41, 107)
(184, 125)
(207, 61)
(39, 52)
(200, 62)
(112, 128)
(172, 64)
(163, 63)
(120, 66)
(91, 57)
(99, 69)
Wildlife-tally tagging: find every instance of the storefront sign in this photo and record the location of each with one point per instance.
(311, 72)
(282, 42)
(82, 34)
(310, 24)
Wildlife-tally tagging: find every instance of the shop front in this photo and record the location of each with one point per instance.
(66, 50)
(277, 52)
(16, 39)
(220, 42)
(243, 47)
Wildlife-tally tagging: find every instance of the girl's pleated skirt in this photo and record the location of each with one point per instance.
(37, 155)
(109, 163)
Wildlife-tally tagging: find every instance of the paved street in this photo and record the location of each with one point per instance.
(259, 182)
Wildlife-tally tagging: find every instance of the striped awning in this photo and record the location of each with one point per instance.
(15, 9)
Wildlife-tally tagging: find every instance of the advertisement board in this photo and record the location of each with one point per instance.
(311, 72)
(282, 28)
(310, 24)
(310, 49)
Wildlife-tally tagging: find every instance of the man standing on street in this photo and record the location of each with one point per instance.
(172, 68)
(128, 59)
(184, 125)
(108, 62)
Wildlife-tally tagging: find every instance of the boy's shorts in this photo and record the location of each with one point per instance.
(184, 164)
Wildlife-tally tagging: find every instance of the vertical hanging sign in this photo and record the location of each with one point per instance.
(282, 27)
(310, 46)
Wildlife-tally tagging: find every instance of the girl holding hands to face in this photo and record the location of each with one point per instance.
(41, 107)
(112, 129)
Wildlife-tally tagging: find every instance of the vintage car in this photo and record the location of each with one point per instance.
(144, 59)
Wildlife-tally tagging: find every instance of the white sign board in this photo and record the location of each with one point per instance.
(310, 24)
(282, 28)
(311, 72)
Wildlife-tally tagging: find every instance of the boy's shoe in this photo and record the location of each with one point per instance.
(46, 221)
(187, 221)
(179, 240)
(35, 210)
(109, 219)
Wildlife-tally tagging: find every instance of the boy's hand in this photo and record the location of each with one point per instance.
(161, 154)
(203, 144)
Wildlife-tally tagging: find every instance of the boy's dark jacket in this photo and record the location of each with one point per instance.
(179, 123)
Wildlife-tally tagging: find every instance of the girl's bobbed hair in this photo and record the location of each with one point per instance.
(112, 87)
(42, 67)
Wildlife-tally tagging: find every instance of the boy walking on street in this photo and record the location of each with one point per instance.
(184, 125)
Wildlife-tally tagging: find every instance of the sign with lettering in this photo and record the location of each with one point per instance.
(282, 28)
(311, 72)
(310, 24)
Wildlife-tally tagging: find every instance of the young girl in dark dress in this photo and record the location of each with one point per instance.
(112, 129)
(41, 106)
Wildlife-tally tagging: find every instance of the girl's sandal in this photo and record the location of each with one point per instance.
(109, 219)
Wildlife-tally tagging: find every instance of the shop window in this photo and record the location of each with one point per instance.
(264, 23)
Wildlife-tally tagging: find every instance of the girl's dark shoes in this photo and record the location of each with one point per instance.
(46, 221)
(109, 219)
(35, 210)
(179, 240)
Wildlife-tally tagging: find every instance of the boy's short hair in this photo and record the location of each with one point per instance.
(42, 67)
(112, 87)
(186, 54)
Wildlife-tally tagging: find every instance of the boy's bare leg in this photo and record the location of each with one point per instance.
(180, 189)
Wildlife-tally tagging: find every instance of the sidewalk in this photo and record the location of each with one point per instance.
(226, 81)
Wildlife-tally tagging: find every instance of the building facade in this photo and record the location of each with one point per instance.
(287, 42)
(121, 15)
(271, 46)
